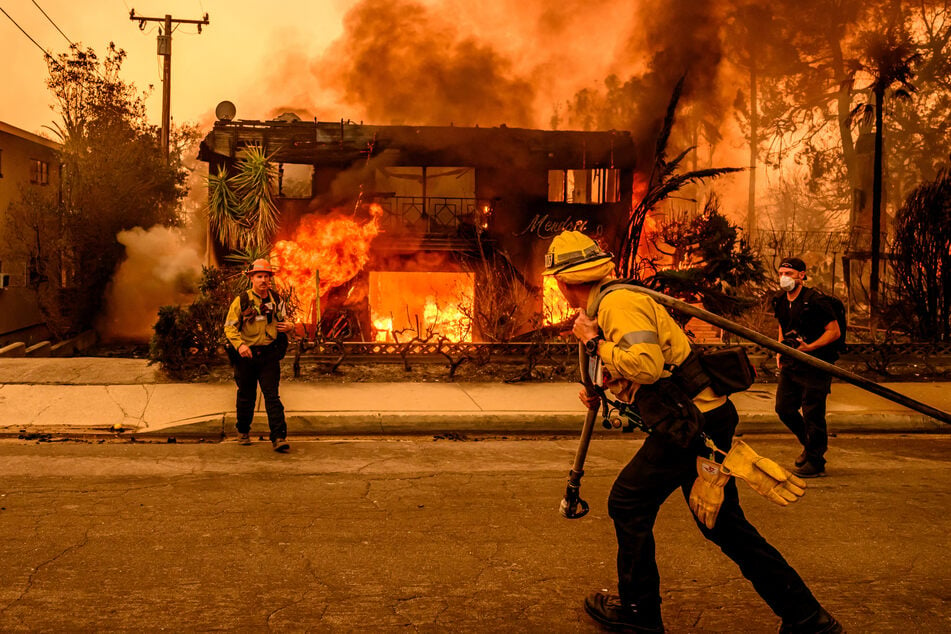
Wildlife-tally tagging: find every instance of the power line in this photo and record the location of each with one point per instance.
(165, 51)
(53, 23)
(30, 37)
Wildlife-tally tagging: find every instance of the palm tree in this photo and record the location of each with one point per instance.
(241, 207)
(663, 182)
(890, 58)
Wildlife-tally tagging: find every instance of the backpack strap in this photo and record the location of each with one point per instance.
(610, 287)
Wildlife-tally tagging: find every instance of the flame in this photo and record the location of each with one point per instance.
(335, 247)
(383, 328)
(554, 305)
(639, 188)
(421, 304)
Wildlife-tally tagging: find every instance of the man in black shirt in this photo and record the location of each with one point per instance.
(808, 324)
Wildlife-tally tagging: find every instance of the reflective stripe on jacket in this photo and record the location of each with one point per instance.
(640, 338)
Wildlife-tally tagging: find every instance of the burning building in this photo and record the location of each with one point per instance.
(390, 232)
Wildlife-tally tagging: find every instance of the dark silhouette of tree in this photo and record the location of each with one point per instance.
(662, 181)
(114, 177)
(922, 258)
(705, 258)
(890, 58)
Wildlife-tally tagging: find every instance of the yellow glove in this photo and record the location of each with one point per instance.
(767, 478)
(706, 494)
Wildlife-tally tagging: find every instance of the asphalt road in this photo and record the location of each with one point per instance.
(425, 535)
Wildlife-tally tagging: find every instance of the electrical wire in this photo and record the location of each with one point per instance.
(30, 37)
(53, 23)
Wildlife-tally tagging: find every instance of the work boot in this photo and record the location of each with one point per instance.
(612, 613)
(809, 470)
(820, 622)
(802, 459)
(280, 445)
(244, 439)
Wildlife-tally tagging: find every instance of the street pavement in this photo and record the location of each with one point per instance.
(415, 534)
(89, 396)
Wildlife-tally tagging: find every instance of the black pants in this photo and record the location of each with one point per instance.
(805, 390)
(659, 468)
(264, 369)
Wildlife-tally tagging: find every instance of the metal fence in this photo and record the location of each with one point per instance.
(429, 215)
(436, 352)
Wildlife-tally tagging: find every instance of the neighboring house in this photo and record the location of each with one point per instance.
(27, 161)
(452, 197)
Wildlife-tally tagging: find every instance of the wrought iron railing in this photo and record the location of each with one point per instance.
(435, 215)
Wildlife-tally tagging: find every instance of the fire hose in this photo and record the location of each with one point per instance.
(573, 507)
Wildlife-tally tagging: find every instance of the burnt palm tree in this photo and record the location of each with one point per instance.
(890, 59)
(662, 182)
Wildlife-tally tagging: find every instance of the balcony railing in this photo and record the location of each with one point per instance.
(433, 215)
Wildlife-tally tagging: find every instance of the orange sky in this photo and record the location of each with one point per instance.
(227, 61)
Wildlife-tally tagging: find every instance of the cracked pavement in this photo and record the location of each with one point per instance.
(413, 534)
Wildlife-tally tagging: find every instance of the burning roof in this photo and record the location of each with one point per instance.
(343, 144)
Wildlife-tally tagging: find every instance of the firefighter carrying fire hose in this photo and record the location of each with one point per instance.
(642, 356)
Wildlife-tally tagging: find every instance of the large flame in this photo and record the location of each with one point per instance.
(422, 305)
(554, 305)
(335, 247)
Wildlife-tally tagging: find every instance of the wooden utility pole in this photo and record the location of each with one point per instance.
(165, 50)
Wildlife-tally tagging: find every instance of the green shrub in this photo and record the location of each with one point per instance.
(187, 338)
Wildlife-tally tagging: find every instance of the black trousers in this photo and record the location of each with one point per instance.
(805, 390)
(659, 468)
(264, 369)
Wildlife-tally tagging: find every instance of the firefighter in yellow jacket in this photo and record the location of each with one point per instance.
(638, 347)
(256, 331)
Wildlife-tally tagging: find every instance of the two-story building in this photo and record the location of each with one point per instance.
(29, 171)
(466, 210)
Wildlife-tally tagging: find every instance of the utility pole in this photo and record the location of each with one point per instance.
(165, 50)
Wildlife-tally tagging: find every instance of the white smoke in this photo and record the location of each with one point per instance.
(160, 268)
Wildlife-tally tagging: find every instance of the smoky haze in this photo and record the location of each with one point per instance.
(449, 62)
(407, 64)
(160, 268)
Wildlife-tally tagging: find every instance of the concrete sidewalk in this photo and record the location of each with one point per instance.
(96, 395)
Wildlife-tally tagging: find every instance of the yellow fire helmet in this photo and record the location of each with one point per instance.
(574, 258)
(260, 266)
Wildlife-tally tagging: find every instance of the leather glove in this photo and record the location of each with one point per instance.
(706, 494)
(764, 476)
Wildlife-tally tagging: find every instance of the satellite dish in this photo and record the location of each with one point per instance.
(225, 111)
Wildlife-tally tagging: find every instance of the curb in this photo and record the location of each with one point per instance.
(220, 426)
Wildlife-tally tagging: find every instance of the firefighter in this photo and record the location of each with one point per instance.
(638, 346)
(256, 333)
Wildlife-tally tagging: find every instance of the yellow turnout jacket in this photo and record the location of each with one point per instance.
(640, 339)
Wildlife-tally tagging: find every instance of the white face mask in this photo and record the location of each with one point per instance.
(787, 283)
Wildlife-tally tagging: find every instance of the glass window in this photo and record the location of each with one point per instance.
(594, 186)
(39, 172)
(296, 180)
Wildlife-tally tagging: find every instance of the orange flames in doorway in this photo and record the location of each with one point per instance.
(421, 304)
(555, 306)
(336, 247)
